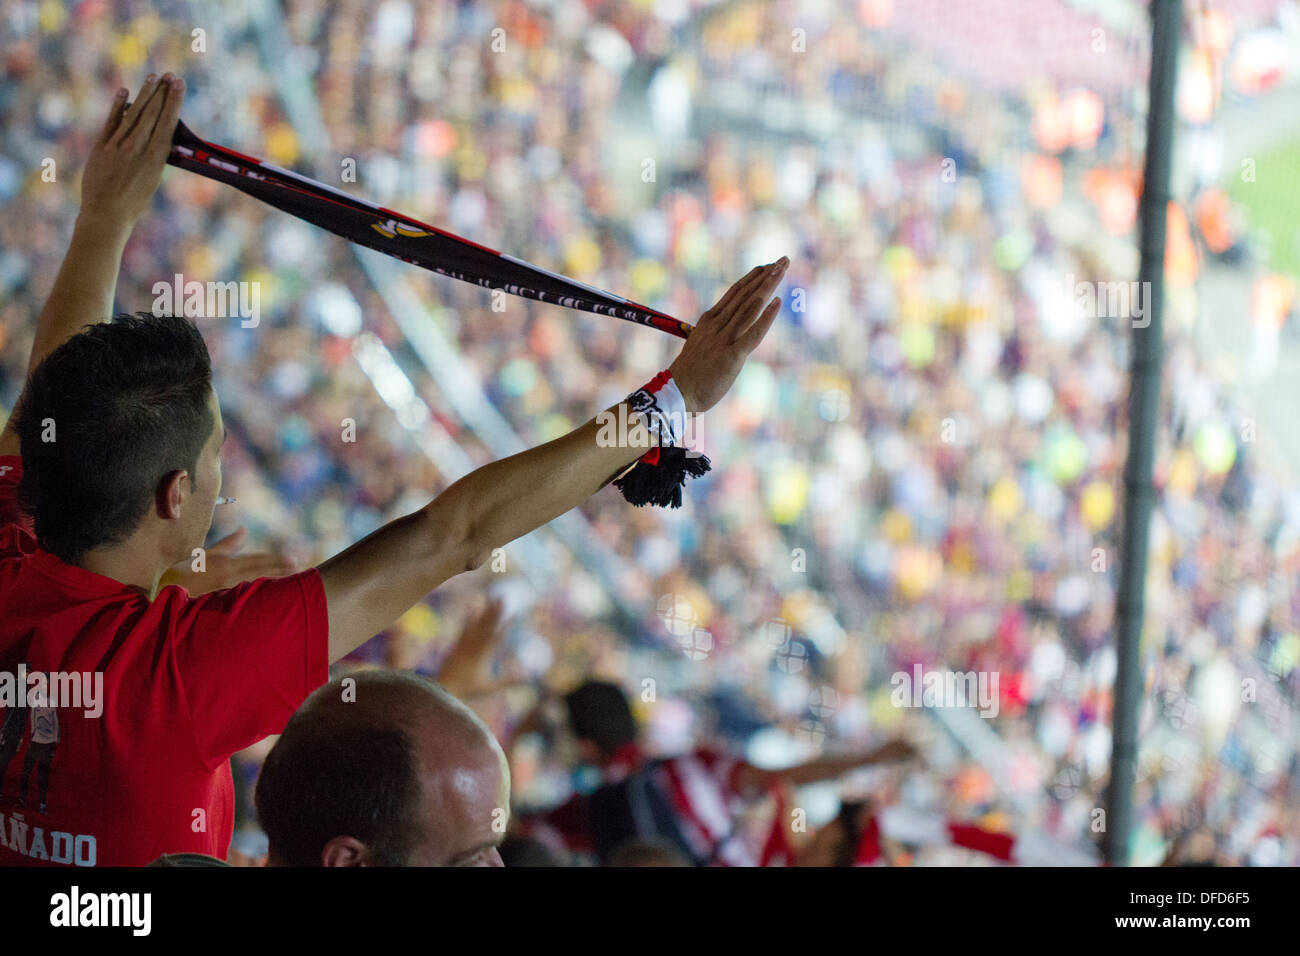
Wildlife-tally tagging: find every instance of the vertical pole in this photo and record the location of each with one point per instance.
(1144, 407)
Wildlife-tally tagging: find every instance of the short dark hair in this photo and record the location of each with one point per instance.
(128, 400)
(333, 774)
(599, 712)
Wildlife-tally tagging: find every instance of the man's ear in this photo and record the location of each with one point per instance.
(344, 851)
(172, 494)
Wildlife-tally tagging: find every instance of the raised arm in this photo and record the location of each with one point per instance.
(375, 581)
(751, 778)
(122, 173)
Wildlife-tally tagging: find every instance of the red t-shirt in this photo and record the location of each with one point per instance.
(186, 682)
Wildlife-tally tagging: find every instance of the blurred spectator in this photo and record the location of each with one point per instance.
(689, 803)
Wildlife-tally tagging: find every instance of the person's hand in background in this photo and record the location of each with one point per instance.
(464, 671)
(223, 567)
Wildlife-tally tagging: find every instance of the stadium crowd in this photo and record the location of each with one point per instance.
(922, 465)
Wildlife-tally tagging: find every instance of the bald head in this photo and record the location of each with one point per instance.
(384, 768)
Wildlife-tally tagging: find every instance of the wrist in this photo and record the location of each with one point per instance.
(658, 475)
(675, 408)
(688, 398)
(102, 226)
(661, 406)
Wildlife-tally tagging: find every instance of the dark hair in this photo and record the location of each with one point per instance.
(599, 712)
(333, 774)
(128, 400)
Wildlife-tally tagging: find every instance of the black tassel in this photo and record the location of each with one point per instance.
(661, 484)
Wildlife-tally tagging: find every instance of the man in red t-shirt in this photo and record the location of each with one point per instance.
(109, 473)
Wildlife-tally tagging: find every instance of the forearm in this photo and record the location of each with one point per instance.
(83, 290)
(509, 498)
(825, 768)
(371, 584)
(379, 578)
(756, 779)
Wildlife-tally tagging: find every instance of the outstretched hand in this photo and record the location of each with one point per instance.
(725, 335)
(224, 567)
(126, 163)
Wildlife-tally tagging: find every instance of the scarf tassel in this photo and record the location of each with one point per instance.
(658, 476)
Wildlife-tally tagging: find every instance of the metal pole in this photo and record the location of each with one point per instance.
(1144, 406)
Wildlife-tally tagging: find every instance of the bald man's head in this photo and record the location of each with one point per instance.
(384, 768)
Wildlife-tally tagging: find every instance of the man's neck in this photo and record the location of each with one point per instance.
(133, 566)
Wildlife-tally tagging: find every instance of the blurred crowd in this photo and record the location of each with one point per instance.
(922, 464)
